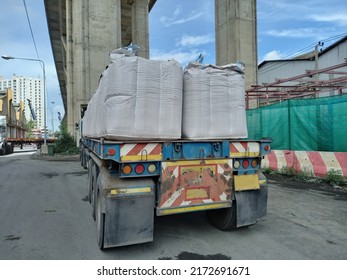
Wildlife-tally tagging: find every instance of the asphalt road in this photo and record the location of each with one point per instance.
(44, 214)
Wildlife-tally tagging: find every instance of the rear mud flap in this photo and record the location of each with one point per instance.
(129, 221)
(251, 206)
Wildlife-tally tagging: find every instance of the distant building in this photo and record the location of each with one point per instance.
(320, 58)
(14, 113)
(27, 88)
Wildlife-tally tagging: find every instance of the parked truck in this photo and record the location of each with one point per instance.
(6, 147)
(157, 142)
(129, 182)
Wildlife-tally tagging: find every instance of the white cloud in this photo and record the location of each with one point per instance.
(340, 18)
(191, 40)
(293, 33)
(273, 55)
(174, 21)
(183, 57)
(300, 32)
(178, 10)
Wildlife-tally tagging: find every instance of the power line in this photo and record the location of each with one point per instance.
(303, 50)
(31, 30)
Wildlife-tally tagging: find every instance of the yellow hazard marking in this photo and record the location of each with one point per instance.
(195, 162)
(141, 157)
(130, 190)
(244, 154)
(246, 182)
(262, 182)
(197, 193)
(193, 208)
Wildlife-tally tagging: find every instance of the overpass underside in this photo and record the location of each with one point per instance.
(83, 32)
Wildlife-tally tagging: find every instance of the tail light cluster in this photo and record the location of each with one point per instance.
(139, 169)
(246, 163)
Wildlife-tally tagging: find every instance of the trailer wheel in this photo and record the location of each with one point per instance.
(223, 219)
(94, 190)
(84, 161)
(100, 222)
(90, 180)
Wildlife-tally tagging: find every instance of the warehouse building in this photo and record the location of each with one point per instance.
(320, 73)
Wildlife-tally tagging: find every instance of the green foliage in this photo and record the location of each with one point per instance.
(65, 144)
(269, 170)
(289, 171)
(303, 175)
(30, 125)
(335, 178)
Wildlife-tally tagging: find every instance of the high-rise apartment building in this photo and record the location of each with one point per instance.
(25, 88)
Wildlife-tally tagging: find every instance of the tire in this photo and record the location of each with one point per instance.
(84, 160)
(81, 157)
(223, 219)
(94, 189)
(100, 223)
(90, 180)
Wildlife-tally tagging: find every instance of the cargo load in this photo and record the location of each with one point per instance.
(137, 99)
(214, 102)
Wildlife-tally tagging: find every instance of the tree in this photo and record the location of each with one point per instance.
(65, 143)
(30, 125)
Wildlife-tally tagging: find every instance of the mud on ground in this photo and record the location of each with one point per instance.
(312, 184)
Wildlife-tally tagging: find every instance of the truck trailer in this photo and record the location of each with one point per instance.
(157, 140)
(131, 182)
(6, 147)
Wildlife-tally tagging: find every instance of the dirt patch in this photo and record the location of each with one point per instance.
(314, 184)
(57, 157)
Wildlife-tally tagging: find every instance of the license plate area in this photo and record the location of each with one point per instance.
(246, 182)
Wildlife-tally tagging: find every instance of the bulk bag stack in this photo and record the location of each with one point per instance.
(138, 99)
(214, 102)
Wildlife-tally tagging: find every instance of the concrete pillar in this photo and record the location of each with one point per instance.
(69, 66)
(95, 30)
(236, 36)
(140, 34)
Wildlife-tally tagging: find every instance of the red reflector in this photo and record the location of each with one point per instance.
(111, 152)
(245, 163)
(267, 147)
(139, 169)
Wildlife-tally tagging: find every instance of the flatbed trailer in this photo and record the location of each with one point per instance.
(28, 141)
(129, 182)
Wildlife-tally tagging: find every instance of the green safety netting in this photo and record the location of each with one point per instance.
(318, 124)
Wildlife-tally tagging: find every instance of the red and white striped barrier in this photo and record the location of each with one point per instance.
(316, 163)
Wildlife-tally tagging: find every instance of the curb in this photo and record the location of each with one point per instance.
(316, 163)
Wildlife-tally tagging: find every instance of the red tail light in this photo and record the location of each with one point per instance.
(245, 164)
(139, 169)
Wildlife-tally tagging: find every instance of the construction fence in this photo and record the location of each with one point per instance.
(311, 124)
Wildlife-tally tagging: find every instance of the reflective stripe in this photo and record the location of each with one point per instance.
(193, 208)
(141, 151)
(244, 149)
(130, 190)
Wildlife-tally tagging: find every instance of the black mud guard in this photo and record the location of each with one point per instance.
(251, 206)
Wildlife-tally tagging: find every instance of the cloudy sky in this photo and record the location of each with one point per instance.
(179, 29)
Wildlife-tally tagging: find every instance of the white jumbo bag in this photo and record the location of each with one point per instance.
(213, 102)
(142, 99)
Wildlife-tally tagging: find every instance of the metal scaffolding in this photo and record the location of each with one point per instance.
(308, 85)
